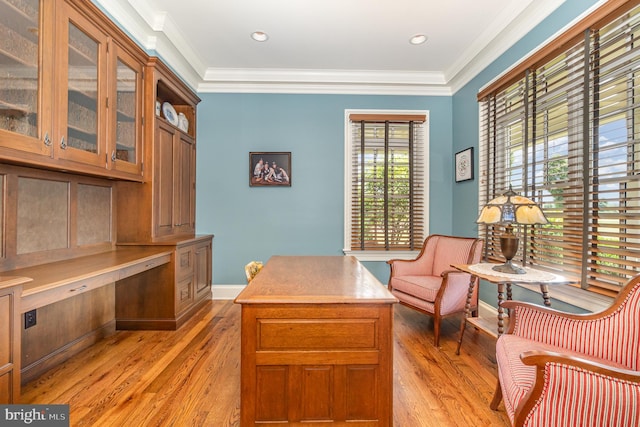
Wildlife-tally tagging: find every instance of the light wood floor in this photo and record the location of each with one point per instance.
(192, 377)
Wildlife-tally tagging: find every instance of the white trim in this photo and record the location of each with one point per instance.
(157, 33)
(379, 255)
(545, 43)
(226, 292)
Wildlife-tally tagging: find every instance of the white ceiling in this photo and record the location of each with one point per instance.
(328, 46)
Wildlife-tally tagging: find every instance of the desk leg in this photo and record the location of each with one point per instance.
(500, 309)
(467, 312)
(545, 294)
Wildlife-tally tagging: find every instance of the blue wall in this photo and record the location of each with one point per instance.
(307, 219)
(253, 223)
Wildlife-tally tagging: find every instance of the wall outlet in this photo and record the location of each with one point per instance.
(30, 319)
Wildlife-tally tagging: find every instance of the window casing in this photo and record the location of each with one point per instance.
(567, 135)
(386, 191)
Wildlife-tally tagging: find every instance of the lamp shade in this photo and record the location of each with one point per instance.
(511, 209)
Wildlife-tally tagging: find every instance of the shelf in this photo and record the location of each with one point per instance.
(17, 48)
(19, 13)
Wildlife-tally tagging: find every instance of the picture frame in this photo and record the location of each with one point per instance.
(270, 169)
(464, 165)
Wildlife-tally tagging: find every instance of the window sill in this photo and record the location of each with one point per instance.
(586, 300)
(381, 255)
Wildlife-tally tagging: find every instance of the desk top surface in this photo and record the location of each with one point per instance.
(314, 280)
(49, 276)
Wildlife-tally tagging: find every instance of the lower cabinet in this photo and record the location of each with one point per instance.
(176, 291)
(9, 343)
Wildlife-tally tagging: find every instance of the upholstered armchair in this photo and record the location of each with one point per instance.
(430, 285)
(560, 369)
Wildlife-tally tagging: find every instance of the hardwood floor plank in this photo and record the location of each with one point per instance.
(192, 376)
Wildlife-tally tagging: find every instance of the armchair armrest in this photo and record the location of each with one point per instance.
(405, 267)
(604, 390)
(452, 295)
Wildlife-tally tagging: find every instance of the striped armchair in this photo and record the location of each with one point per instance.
(430, 285)
(559, 369)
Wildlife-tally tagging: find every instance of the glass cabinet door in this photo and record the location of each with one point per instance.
(125, 131)
(81, 123)
(22, 123)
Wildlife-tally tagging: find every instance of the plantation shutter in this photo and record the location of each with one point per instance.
(387, 182)
(567, 135)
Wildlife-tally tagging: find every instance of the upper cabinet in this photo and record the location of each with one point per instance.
(25, 60)
(71, 93)
(168, 192)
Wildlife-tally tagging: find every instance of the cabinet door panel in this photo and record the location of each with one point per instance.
(125, 131)
(82, 91)
(25, 121)
(185, 183)
(203, 270)
(163, 175)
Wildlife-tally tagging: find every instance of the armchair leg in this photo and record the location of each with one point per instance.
(436, 331)
(497, 397)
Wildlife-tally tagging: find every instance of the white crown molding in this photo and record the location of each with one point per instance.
(158, 34)
(547, 41)
(324, 82)
(492, 44)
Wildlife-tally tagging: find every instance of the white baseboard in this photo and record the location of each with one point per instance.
(486, 309)
(225, 292)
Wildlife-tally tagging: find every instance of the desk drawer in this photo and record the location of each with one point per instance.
(144, 266)
(184, 293)
(184, 261)
(313, 334)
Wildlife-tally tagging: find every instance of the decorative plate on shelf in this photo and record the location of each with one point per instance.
(170, 113)
(183, 122)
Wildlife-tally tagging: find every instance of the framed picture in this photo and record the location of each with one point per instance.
(464, 165)
(270, 169)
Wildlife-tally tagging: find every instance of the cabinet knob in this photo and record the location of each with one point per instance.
(63, 143)
(113, 156)
(47, 140)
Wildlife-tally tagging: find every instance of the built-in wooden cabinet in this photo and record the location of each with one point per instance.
(174, 168)
(71, 89)
(168, 191)
(10, 290)
(177, 291)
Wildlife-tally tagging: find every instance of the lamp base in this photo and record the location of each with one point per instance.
(509, 268)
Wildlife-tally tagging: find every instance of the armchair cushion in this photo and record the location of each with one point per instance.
(422, 287)
(516, 378)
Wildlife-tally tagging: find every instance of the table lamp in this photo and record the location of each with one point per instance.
(507, 210)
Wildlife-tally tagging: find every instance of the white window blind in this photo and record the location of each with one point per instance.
(567, 135)
(386, 174)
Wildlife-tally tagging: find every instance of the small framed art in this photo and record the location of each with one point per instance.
(270, 169)
(464, 165)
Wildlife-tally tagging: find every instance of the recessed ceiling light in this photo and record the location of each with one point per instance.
(418, 39)
(260, 36)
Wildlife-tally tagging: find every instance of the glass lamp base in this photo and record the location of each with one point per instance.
(509, 268)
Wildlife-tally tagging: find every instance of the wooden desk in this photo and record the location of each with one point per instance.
(503, 282)
(317, 344)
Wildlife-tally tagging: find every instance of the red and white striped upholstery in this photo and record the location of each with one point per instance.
(558, 369)
(429, 283)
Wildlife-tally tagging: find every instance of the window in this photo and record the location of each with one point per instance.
(566, 133)
(385, 183)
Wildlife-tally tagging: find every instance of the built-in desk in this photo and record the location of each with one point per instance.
(317, 344)
(73, 303)
(65, 279)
